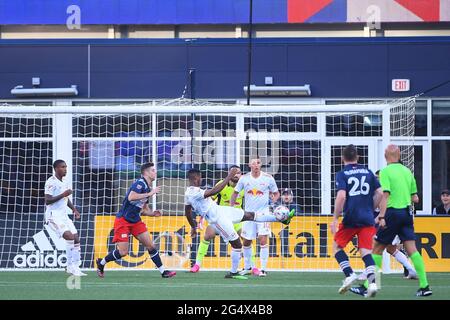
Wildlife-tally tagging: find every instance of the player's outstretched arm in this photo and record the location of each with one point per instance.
(219, 187)
(49, 199)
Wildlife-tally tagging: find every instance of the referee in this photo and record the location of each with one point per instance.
(396, 214)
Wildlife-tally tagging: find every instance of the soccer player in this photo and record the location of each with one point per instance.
(257, 186)
(396, 214)
(57, 200)
(223, 199)
(128, 221)
(358, 193)
(221, 218)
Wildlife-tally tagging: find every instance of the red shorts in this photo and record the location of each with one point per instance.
(123, 228)
(365, 236)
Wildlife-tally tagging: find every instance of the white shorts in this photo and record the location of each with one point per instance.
(60, 223)
(226, 218)
(251, 229)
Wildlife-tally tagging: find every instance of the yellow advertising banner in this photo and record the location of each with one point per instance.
(306, 244)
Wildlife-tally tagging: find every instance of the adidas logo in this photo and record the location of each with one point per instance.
(44, 254)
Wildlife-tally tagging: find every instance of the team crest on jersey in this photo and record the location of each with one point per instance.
(139, 187)
(255, 192)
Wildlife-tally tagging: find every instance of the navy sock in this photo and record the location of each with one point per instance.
(154, 255)
(113, 256)
(342, 259)
(370, 267)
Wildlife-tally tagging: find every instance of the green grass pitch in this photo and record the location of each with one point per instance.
(206, 285)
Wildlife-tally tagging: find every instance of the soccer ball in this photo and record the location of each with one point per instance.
(281, 213)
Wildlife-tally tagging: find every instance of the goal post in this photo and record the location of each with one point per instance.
(300, 145)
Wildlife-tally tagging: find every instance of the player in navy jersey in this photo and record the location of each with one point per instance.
(358, 193)
(128, 221)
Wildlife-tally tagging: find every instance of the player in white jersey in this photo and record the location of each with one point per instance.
(221, 218)
(57, 202)
(258, 188)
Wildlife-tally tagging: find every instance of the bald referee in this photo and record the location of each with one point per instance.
(396, 215)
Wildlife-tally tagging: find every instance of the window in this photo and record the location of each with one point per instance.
(421, 118)
(441, 114)
(440, 169)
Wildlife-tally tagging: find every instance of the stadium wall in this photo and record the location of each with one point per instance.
(139, 68)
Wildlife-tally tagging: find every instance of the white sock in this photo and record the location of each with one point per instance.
(261, 217)
(76, 255)
(235, 259)
(69, 247)
(400, 257)
(248, 257)
(264, 256)
(161, 269)
(103, 262)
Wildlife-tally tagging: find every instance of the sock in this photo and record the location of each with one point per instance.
(76, 254)
(201, 252)
(261, 217)
(400, 257)
(370, 268)
(264, 256)
(342, 259)
(154, 255)
(235, 259)
(69, 246)
(112, 256)
(378, 259)
(420, 269)
(247, 257)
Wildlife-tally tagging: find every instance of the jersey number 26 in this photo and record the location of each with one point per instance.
(362, 185)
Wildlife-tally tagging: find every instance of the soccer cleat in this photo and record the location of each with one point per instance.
(255, 271)
(411, 276)
(347, 283)
(69, 269)
(289, 218)
(371, 291)
(245, 272)
(168, 274)
(424, 292)
(195, 268)
(77, 272)
(100, 268)
(361, 290)
(263, 273)
(362, 277)
(235, 275)
(405, 273)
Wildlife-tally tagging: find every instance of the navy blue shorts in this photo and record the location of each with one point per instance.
(398, 222)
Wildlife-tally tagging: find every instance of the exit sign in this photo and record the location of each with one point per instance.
(400, 85)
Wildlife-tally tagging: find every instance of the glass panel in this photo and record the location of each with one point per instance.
(441, 116)
(440, 169)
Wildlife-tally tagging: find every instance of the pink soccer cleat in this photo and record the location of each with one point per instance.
(195, 268)
(255, 271)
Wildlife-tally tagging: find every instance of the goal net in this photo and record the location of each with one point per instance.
(104, 147)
